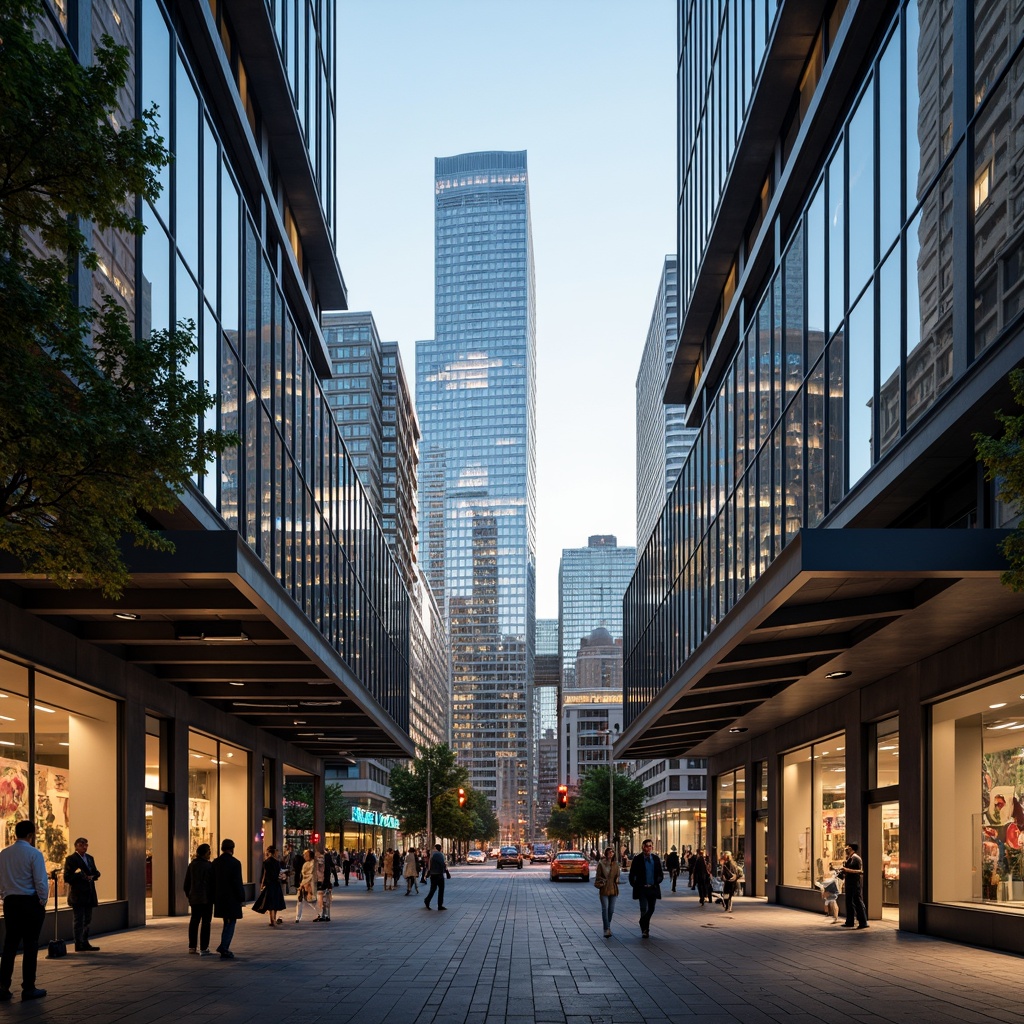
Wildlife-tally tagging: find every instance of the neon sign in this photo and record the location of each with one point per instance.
(362, 817)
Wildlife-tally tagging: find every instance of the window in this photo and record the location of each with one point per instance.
(813, 811)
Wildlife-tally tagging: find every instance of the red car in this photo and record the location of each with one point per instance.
(570, 864)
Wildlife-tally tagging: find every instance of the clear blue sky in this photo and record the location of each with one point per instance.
(587, 87)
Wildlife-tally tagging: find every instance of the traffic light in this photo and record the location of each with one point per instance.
(563, 796)
(462, 797)
(316, 838)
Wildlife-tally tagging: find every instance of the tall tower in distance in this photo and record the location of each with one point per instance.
(662, 439)
(476, 402)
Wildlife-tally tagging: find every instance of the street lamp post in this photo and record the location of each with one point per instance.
(611, 789)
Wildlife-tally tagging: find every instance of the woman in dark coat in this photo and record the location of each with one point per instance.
(702, 876)
(228, 894)
(200, 899)
(271, 882)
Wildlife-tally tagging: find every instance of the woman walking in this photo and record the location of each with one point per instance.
(198, 889)
(271, 882)
(411, 872)
(387, 866)
(729, 876)
(396, 869)
(607, 882)
(307, 885)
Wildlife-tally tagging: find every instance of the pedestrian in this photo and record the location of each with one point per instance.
(26, 891)
(270, 881)
(607, 881)
(438, 873)
(326, 880)
(830, 894)
(646, 876)
(729, 876)
(346, 865)
(198, 892)
(411, 871)
(369, 868)
(298, 860)
(691, 861)
(388, 866)
(672, 866)
(228, 894)
(853, 877)
(702, 876)
(307, 885)
(286, 867)
(80, 874)
(396, 869)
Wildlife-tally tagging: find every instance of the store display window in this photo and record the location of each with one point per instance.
(732, 811)
(67, 779)
(218, 795)
(813, 811)
(977, 797)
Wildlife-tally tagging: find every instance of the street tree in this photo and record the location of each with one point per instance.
(298, 807)
(589, 811)
(409, 786)
(97, 426)
(559, 826)
(1003, 459)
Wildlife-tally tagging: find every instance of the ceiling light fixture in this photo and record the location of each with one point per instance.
(738, 728)
(216, 632)
(127, 616)
(236, 684)
(49, 711)
(995, 706)
(838, 674)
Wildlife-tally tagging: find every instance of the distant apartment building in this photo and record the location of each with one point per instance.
(663, 440)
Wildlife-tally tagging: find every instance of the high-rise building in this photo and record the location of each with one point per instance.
(399, 458)
(546, 677)
(476, 401)
(819, 612)
(662, 438)
(248, 657)
(591, 585)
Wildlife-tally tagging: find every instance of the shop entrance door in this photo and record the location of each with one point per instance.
(158, 888)
(883, 876)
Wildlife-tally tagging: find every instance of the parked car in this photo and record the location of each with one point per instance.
(476, 857)
(510, 857)
(494, 852)
(570, 864)
(542, 853)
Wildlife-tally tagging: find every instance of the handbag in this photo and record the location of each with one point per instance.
(259, 905)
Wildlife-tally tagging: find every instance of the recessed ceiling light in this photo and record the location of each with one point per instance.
(7, 718)
(49, 711)
(6, 743)
(738, 728)
(127, 616)
(236, 684)
(838, 674)
(1001, 705)
(299, 721)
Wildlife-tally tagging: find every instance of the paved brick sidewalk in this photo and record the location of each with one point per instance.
(515, 949)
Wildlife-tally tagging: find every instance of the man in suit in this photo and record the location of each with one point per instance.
(228, 894)
(369, 867)
(646, 876)
(438, 871)
(80, 876)
(852, 874)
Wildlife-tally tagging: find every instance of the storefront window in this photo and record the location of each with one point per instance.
(813, 810)
(14, 768)
(218, 795)
(979, 821)
(732, 810)
(887, 753)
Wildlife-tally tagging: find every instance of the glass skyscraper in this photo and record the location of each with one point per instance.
(476, 401)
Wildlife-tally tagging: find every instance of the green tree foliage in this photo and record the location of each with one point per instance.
(1003, 459)
(559, 826)
(298, 807)
(476, 820)
(588, 810)
(95, 424)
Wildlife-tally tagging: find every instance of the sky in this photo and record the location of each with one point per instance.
(587, 88)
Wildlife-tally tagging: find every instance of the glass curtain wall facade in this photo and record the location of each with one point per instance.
(290, 488)
(662, 437)
(591, 583)
(852, 341)
(476, 403)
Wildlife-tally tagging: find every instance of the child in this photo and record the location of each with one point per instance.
(830, 894)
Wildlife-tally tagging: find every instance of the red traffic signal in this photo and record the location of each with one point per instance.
(316, 838)
(462, 797)
(563, 796)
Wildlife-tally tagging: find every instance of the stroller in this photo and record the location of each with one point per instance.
(717, 888)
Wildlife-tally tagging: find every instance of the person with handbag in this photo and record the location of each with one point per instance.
(606, 879)
(200, 899)
(307, 884)
(411, 872)
(80, 874)
(729, 877)
(271, 896)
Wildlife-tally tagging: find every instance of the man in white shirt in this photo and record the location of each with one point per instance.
(25, 890)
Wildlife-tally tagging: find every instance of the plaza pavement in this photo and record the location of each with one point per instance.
(514, 948)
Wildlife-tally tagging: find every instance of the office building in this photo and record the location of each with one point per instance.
(546, 677)
(273, 642)
(591, 584)
(662, 438)
(822, 617)
(476, 402)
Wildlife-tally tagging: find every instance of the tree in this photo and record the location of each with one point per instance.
(560, 826)
(1003, 459)
(95, 424)
(298, 807)
(409, 787)
(589, 811)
